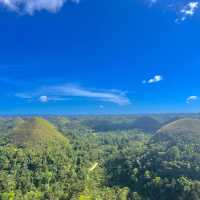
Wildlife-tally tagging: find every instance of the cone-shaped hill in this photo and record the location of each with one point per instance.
(36, 133)
(180, 131)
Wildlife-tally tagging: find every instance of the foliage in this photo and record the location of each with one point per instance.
(71, 161)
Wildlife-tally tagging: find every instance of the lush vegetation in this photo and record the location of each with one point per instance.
(100, 158)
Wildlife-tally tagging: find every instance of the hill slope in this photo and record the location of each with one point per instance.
(36, 132)
(179, 131)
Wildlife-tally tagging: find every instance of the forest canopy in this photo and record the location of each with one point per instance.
(78, 158)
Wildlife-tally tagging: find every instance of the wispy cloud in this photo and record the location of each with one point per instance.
(155, 79)
(190, 99)
(24, 96)
(61, 92)
(182, 8)
(188, 10)
(31, 6)
(46, 99)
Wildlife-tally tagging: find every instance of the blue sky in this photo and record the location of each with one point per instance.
(99, 57)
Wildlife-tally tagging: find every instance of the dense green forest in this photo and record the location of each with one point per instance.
(154, 157)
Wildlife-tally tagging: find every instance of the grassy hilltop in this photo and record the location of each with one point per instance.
(183, 130)
(36, 132)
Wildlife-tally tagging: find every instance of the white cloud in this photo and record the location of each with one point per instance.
(31, 6)
(189, 10)
(190, 99)
(182, 8)
(70, 90)
(43, 99)
(40, 98)
(155, 79)
(62, 92)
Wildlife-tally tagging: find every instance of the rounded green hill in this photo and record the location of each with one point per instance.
(37, 132)
(182, 130)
